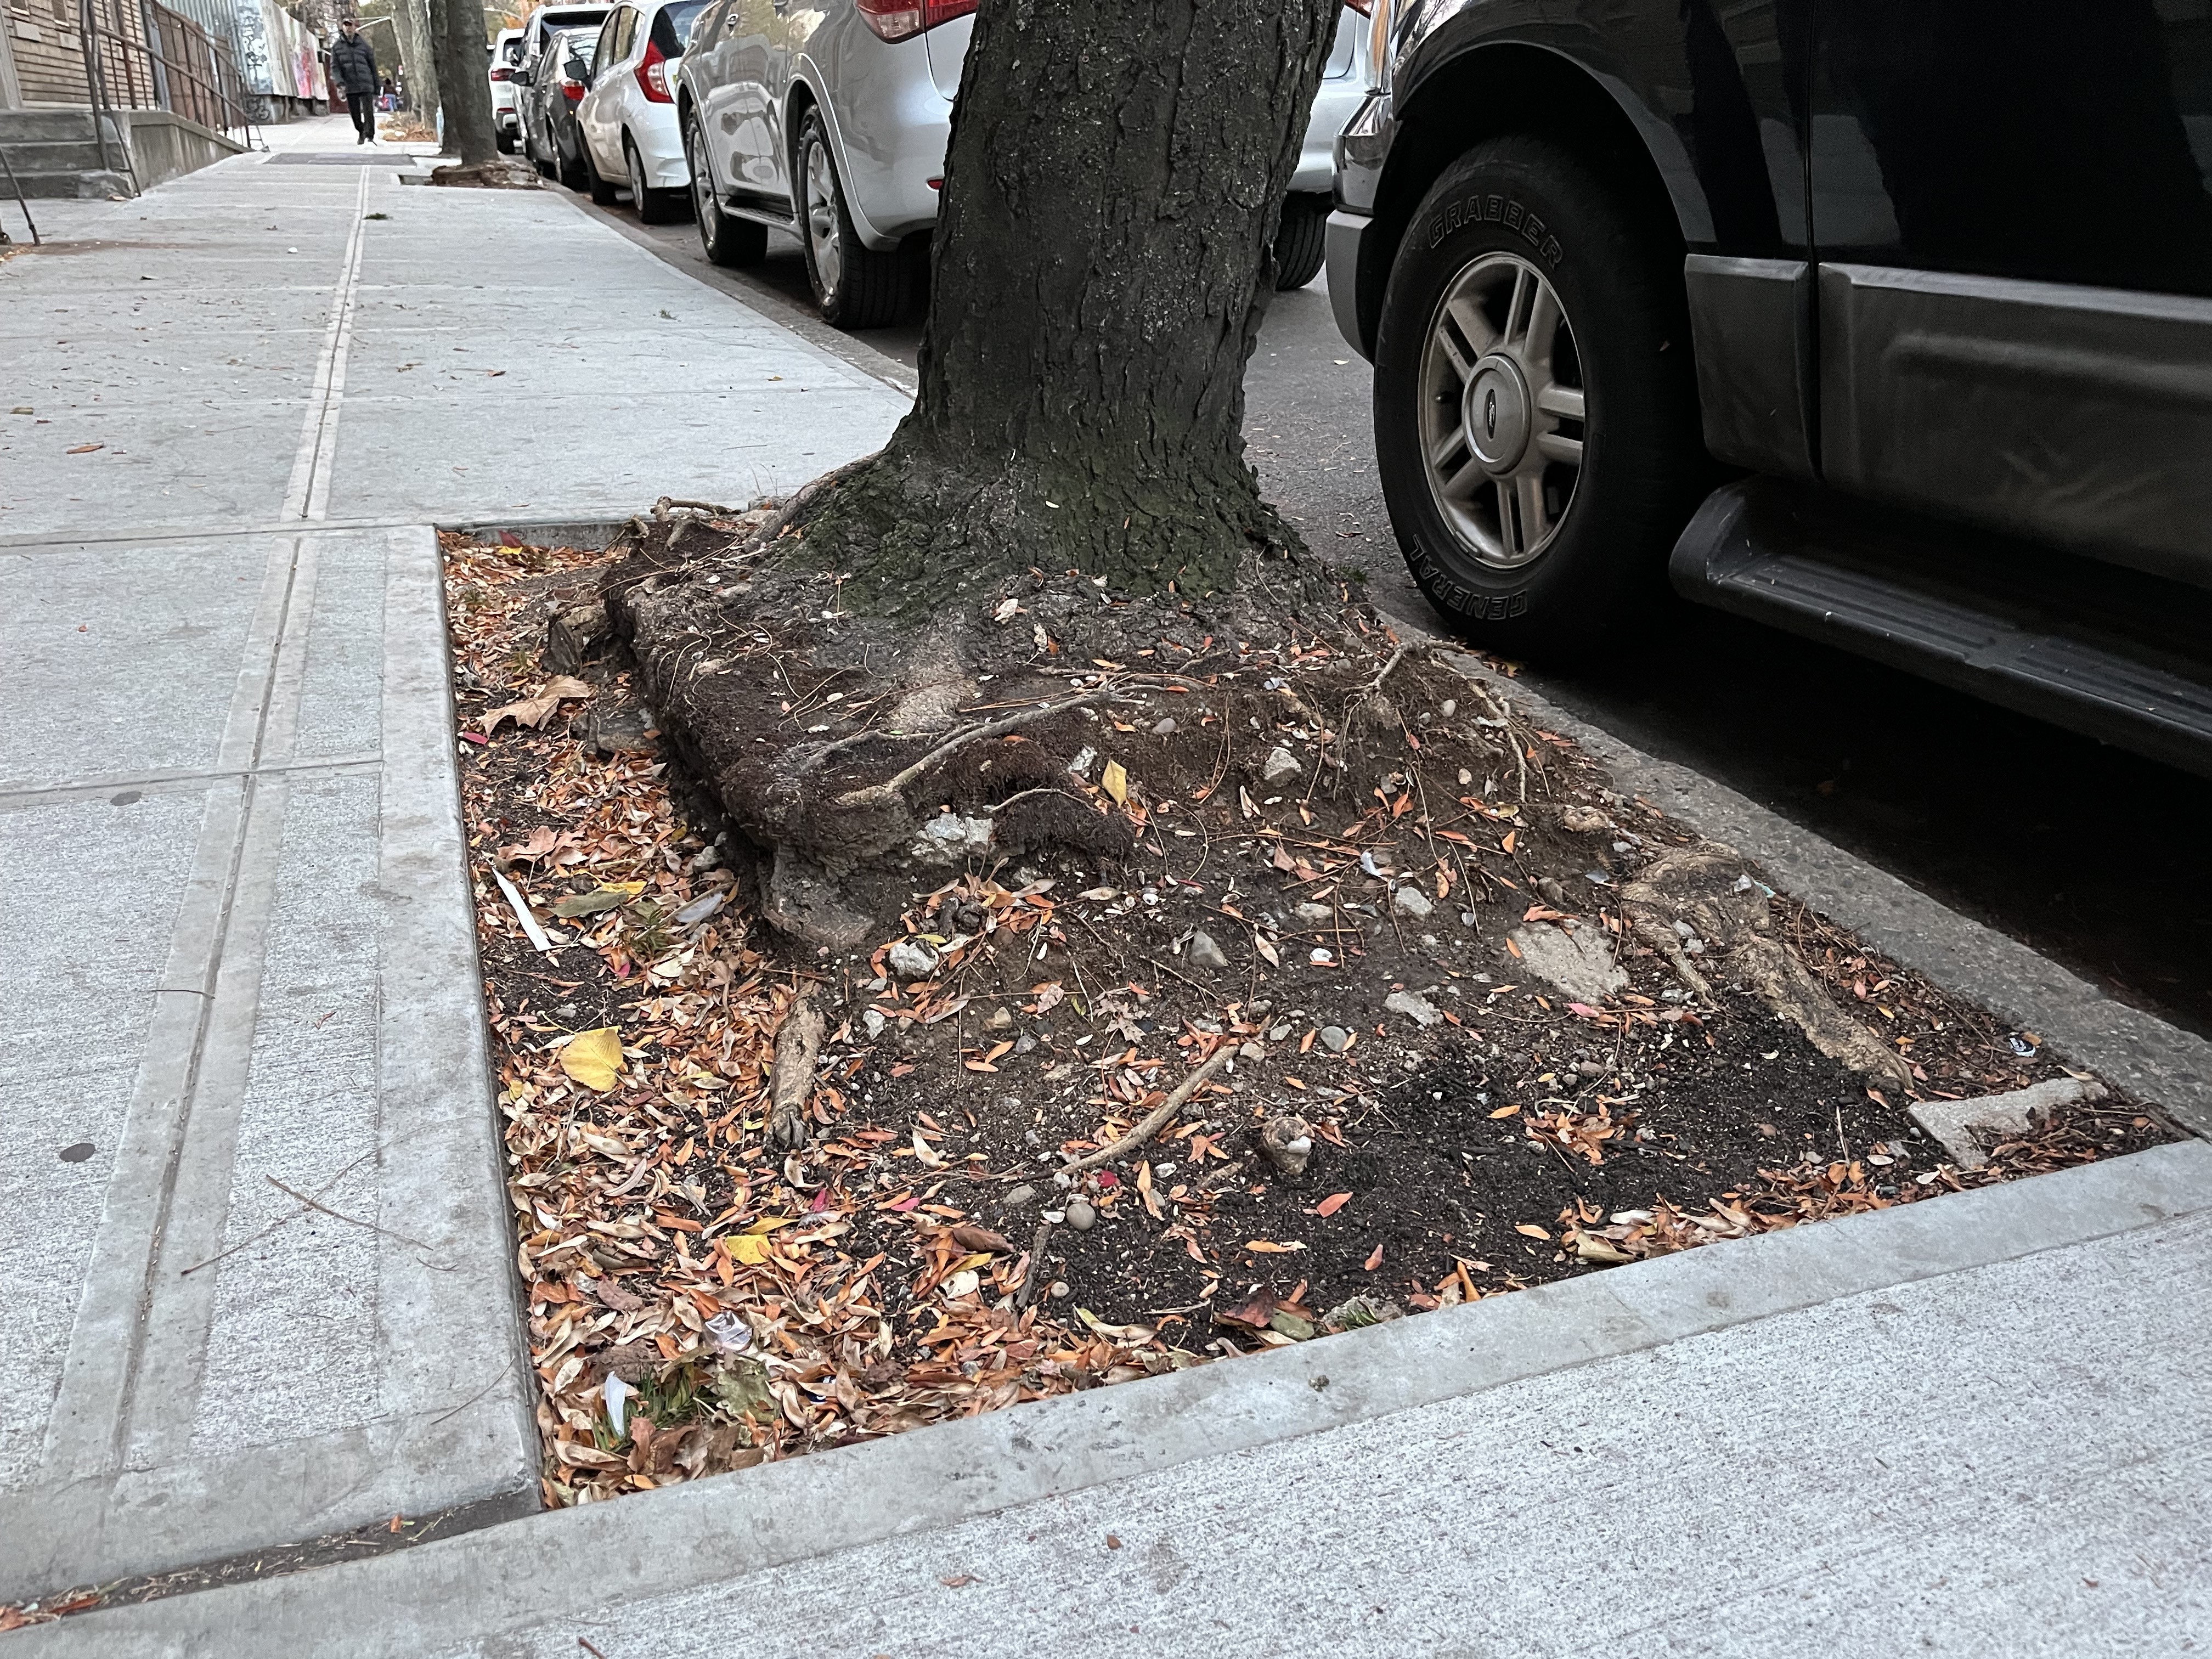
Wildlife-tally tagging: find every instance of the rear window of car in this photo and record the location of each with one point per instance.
(511, 50)
(671, 26)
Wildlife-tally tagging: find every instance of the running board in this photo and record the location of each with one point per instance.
(2107, 652)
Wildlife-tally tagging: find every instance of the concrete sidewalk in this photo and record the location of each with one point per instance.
(243, 933)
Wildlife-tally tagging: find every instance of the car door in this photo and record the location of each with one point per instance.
(2009, 200)
(601, 114)
(734, 106)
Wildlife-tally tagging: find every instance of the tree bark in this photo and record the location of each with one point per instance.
(1099, 271)
(464, 79)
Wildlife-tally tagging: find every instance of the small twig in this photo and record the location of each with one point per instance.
(335, 1215)
(890, 787)
(1158, 1117)
(1505, 719)
(537, 934)
(1396, 657)
(1035, 1275)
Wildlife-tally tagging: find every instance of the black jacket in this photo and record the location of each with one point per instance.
(353, 65)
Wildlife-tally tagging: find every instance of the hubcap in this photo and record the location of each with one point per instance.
(1502, 411)
(702, 193)
(822, 231)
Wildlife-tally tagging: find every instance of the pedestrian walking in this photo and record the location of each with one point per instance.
(353, 68)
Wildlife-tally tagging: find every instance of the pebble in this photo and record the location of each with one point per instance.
(1001, 1017)
(872, 1020)
(1020, 1195)
(1311, 912)
(1205, 953)
(910, 958)
(1411, 901)
(1450, 707)
(1335, 1039)
(1550, 888)
(1165, 729)
(1058, 1288)
(1466, 777)
(1080, 1215)
(1414, 1007)
(1279, 764)
(1278, 1034)
(1023, 1043)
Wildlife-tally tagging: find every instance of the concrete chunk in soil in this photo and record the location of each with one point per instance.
(1952, 1123)
(1411, 901)
(1580, 965)
(1279, 765)
(1415, 1007)
(911, 958)
(1206, 953)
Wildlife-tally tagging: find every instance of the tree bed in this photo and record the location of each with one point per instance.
(1401, 1106)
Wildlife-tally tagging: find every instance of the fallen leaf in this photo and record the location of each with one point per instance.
(84, 449)
(970, 1237)
(534, 712)
(1115, 781)
(1260, 942)
(605, 898)
(1532, 1231)
(1373, 1261)
(1506, 846)
(1505, 1111)
(961, 1580)
(1268, 1247)
(594, 1059)
(1591, 1248)
(1332, 1203)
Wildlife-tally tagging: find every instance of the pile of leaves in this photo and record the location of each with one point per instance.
(1262, 1063)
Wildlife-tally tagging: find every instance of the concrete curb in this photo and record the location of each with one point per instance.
(486, 1585)
(2150, 1059)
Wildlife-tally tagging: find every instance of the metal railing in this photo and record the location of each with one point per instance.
(139, 54)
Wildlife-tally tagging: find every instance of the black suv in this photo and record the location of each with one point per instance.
(1886, 321)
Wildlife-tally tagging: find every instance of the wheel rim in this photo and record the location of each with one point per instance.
(703, 194)
(1502, 417)
(637, 186)
(823, 240)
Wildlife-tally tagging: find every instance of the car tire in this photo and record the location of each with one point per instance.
(1536, 480)
(603, 191)
(530, 153)
(505, 140)
(1299, 241)
(855, 286)
(573, 175)
(654, 207)
(726, 241)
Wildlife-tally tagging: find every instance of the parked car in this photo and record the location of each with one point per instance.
(628, 116)
(506, 54)
(1889, 324)
(536, 31)
(831, 121)
(557, 87)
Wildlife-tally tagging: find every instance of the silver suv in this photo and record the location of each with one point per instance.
(830, 122)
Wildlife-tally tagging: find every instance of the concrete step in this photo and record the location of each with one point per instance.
(59, 155)
(81, 185)
(44, 125)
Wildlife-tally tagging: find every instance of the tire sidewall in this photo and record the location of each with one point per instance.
(1526, 198)
(812, 132)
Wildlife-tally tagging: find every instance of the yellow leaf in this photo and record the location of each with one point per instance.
(1115, 780)
(1505, 1111)
(746, 1248)
(769, 1225)
(594, 1059)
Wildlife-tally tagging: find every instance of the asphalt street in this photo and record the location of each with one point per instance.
(2085, 853)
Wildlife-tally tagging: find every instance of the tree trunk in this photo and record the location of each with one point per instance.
(1100, 269)
(411, 19)
(464, 79)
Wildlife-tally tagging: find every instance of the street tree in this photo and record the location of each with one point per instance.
(1070, 485)
(457, 29)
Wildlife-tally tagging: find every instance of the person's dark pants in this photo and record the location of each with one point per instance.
(362, 105)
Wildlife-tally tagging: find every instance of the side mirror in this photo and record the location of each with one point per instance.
(580, 71)
(522, 77)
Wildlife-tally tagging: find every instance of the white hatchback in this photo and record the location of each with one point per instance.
(628, 115)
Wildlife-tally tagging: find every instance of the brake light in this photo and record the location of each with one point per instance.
(502, 73)
(902, 19)
(652, 73)
(573, 91)
(1365, 8)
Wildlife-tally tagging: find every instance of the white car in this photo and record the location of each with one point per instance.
(628, 116)
(831, 121)
(505, 56)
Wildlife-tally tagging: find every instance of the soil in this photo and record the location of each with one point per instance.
(1494, 1132)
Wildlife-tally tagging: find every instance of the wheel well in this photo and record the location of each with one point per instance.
(1485, 94)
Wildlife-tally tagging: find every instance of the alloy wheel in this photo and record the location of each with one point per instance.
(1503, 415)
(822, 237)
